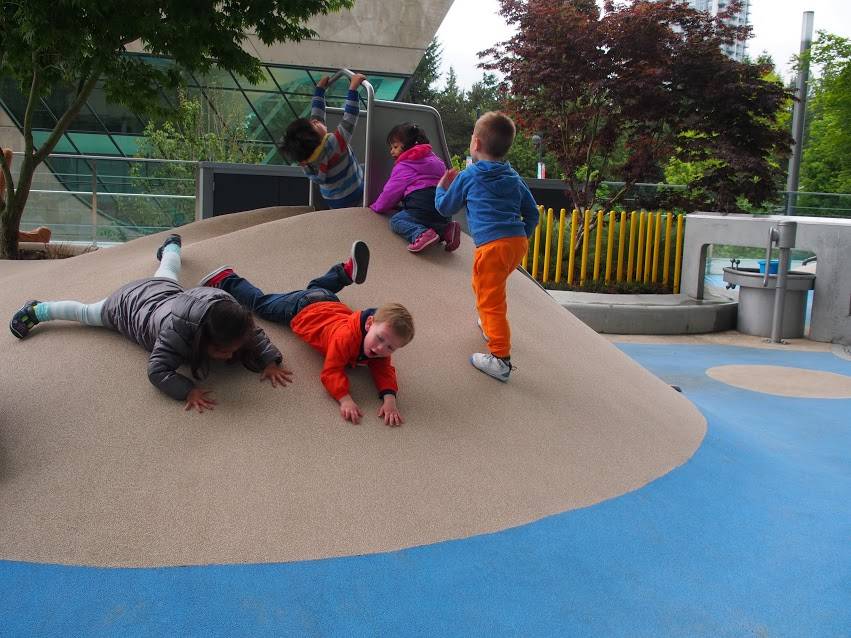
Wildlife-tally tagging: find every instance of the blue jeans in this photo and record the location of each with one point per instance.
(411, 224)
(283, 306)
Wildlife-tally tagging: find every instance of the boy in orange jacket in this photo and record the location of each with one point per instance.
(346, 337)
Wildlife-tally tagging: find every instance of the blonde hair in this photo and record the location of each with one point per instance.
(399, 320)
(496, 132)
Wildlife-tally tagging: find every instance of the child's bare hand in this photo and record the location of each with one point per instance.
(324, 82)
(197, 399)
(448, 177)
(390, 412)
(276, 375)
(357, 80)
(350, 411)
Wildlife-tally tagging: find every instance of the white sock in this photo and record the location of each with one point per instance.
(170, 263)
(86, 314)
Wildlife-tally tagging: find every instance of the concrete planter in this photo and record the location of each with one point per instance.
(649, 314)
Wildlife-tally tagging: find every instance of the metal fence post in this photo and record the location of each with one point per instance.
(94, 203)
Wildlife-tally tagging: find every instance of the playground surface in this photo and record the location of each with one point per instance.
(665, 530)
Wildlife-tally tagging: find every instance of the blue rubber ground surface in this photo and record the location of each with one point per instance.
(751, 537)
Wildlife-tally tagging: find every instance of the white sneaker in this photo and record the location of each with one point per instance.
(492, 366)
(479, 323)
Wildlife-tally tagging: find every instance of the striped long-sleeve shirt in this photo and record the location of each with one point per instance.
(333, 166)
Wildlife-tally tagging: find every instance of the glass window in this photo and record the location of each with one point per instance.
(93, 144)
(386, 88)
(274, 111)
(217, 78)
(64, 146)
(265, 83)
(293, 80)
(115, 117)
(129, 144)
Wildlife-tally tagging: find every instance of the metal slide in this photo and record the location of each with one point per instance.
(370, 138)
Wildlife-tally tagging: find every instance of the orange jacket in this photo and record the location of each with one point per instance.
(335, 330)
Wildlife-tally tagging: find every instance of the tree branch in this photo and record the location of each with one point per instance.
(65, 120)
(28, 112)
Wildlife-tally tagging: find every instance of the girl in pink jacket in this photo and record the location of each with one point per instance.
(412, 185)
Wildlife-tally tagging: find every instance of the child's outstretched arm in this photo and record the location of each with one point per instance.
(317, 106)
(384, 377)
(260, 355)
(392, 191)
(449, 196)
(168, 354)
(350, 110)
(390, 412)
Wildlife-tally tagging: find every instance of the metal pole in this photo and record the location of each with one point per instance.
(786, 232)
(799, 112)
(94, 203)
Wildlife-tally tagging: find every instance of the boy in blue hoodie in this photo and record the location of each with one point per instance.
(502, 215)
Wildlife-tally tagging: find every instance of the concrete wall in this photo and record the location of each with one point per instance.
(375, 35)
(828, 238)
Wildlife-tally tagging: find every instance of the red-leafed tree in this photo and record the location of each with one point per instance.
(618, 93)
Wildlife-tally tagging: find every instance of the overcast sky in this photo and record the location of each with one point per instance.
(474, 25)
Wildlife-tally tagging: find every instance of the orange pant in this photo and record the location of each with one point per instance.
(492, 264)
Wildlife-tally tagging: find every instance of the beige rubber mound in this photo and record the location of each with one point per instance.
(99, 468)
(784, 381)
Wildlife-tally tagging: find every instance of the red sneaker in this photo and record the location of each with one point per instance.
(425, 240)
(216, 277)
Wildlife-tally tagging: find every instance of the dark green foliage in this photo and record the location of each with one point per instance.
(76, 43)
(826, 164)
(618, 93)
(420, 89)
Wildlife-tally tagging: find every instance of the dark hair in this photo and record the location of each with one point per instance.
(299, 141)
(407, 134)
(496, 131)
(225, 323)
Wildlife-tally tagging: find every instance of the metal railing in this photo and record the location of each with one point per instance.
(126, 197)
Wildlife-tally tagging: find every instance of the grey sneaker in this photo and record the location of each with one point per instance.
(492, 366)
(24, 320)
(479, 324)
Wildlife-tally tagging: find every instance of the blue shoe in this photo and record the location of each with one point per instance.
(174, 238)
(24, 320)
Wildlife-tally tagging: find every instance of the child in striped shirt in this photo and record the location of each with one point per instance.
(327, 158)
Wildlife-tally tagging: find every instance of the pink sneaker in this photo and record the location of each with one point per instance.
(425, 240)
(452, 236)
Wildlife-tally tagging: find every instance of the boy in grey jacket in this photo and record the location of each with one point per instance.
(176, 326)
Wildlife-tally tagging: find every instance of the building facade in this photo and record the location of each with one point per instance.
(738, 49)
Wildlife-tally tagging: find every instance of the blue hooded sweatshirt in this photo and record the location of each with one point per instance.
(498, 201)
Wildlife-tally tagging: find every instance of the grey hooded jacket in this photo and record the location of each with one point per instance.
(161, 317)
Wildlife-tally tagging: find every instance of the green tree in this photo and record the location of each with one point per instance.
(194, 132)
(421, 88)
(618, 93)
(454, 110)
(75, 43)
(826, 163)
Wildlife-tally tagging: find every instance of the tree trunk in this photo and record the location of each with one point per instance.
(11, 225)
(14, 210)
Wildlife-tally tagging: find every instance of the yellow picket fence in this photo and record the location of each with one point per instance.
(642, 252)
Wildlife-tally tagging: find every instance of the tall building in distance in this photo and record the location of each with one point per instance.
(738, 49)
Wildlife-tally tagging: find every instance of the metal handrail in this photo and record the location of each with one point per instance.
(94, 192)
(113, 158)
